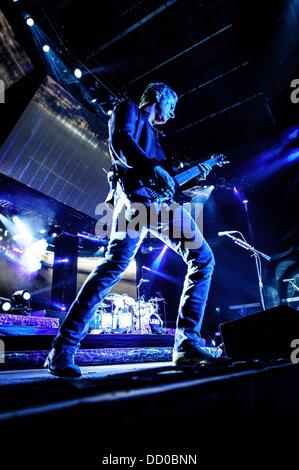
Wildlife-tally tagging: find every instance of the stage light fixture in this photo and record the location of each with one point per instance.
(62, 261)
(245, 201)
(46, 48)
(21, 298)
(77, 73)
(5, 305)
(30, 21)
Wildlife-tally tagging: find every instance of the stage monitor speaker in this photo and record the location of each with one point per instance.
(264, 335)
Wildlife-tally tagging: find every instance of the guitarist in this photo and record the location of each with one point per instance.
(136, 153)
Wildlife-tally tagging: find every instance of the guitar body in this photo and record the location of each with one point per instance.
(152, 190)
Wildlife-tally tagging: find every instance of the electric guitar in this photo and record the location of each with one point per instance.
(151, 190)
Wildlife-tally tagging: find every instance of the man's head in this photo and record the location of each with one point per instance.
(164, 99)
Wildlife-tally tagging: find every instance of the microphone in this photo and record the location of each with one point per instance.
(141, 281)
(220, 234)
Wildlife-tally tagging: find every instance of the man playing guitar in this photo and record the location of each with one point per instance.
(137, 156)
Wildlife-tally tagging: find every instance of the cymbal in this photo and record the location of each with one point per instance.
(103, 305)
(124, 300)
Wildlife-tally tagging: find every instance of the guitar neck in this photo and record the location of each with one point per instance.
(191, 173)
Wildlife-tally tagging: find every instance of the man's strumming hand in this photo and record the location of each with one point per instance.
(162, 174)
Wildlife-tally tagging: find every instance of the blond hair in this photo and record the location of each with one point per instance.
(154, 92)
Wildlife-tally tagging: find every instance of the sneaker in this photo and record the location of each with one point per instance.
(60, 362)
(192, 355)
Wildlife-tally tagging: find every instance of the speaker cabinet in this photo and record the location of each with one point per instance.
(264, 335)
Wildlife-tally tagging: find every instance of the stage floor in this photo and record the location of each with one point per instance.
(15, 377)
(247, 404)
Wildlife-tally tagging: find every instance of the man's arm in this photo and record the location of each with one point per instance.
(123, 129)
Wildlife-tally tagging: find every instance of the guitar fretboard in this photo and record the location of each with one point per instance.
(191, 173)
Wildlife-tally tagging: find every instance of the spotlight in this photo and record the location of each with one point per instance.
(145, 267)
(30, 21)
(109, 112)
(77, 73)
(93, 100)
(46, 48)
(21, 298)
(293, 135)
(62, 261)
(22, 232)
(5, 305)
(293, 155)
(245, 201)
(54, 230)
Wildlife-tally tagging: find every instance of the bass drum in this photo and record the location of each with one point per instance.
(156, 324)
(145, 317)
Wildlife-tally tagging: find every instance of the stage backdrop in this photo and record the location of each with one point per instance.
(14, 62)
(13, 277)
(59, 149)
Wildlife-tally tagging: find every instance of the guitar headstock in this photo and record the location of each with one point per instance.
(220, 159)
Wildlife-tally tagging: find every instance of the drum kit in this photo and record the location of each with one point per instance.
(122, 314)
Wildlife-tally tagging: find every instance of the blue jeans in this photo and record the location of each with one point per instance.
(122, 249)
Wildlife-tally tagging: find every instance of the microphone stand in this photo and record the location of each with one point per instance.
(257, 256)
(139, 298)
(164, 313)
(292, 283)
(164, 309)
